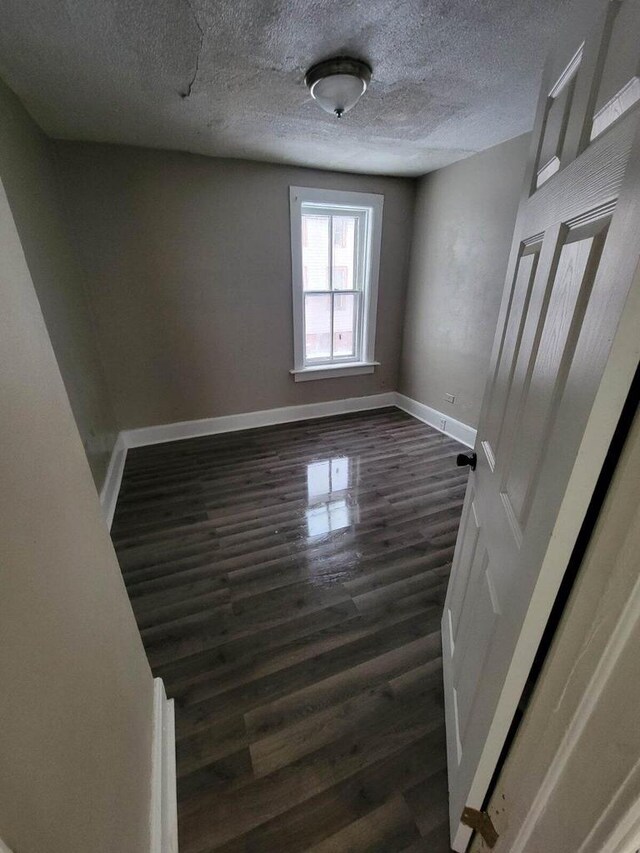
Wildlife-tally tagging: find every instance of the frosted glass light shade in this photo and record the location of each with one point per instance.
(338, 93)
(338, 84)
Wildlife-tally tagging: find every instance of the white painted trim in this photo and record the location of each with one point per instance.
(605, 412)
(112, 481)
(334, 371)
(372, 205)
(626, 836)
(251, 420)
(164, 810)
(616, 646)
(616, 107)
(3, 847)
(547, 171)
(269, 417)
(569, 72)
(455, 429)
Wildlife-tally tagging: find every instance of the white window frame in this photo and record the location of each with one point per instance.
(336, 202)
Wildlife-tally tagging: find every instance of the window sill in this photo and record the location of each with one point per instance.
(334, 371)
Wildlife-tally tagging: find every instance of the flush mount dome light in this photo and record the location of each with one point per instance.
(338, 84)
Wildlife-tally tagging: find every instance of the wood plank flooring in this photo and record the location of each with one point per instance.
(288, 584)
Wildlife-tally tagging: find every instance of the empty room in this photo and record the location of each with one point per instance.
(319, 445)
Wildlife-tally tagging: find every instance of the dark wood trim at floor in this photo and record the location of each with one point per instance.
(288, 584)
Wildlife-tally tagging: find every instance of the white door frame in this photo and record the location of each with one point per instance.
(576, 465)
(571, 780)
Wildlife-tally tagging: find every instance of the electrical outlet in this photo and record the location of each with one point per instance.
(443, 424)
(450, 398)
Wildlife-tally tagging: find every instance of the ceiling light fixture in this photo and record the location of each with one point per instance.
(338, 84)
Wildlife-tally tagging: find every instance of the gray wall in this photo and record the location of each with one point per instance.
(26, 168)
(77, 693)
(464, 220)
(188, 263)
(165, 278)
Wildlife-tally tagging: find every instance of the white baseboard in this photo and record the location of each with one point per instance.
(164, 809)
(112, 480)
(455, 429)
(250, 420)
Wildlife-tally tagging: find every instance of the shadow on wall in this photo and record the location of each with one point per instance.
(464, 220)
(28, 174)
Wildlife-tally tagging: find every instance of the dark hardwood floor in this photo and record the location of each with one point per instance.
(288, 583)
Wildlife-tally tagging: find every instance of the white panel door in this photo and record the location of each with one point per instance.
(550, 403)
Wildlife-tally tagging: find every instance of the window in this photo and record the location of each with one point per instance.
(335, 251)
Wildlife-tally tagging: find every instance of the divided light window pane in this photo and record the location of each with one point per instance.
(344, 324)
(317, 325)
(315, 251)
(344, 252)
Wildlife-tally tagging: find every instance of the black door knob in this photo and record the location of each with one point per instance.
(469, 459)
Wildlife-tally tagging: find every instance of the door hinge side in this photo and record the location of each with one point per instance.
(482, 823)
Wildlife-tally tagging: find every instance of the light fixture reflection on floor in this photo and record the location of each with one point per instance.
(338, 84)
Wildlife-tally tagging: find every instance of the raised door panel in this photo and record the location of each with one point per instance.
(556, 121)
(509, 348)
(523, 356)
(619, 87)
(469, 534)
(570, 287)
(472, 656)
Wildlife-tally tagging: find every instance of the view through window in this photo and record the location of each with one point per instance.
(335, 256)
(332, 283)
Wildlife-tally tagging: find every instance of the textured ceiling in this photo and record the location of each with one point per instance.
(225, 77)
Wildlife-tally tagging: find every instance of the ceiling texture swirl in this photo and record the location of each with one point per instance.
(226, 77)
